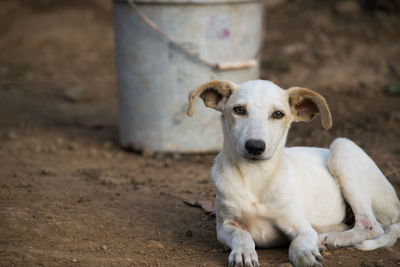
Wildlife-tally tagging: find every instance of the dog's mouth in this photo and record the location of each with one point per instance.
(253, 159)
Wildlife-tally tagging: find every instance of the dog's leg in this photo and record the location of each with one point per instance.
(366, 227)
(303, 250)
(367, 192)
(388, 239)
(241, 243)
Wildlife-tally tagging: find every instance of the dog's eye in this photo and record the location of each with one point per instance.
(240, 110)
(278, 115)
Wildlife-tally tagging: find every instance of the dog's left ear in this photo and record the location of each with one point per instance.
(214, 94)
(306, 104)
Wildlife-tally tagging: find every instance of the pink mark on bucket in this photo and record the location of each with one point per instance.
(218, 27)
(224, 34)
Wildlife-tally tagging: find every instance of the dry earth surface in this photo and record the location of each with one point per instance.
(69, 195)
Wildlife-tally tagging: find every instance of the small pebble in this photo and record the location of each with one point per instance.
(106, 155)
(148, 153)
(48, 171)
(188, 233)
(72, 146)
(379, 263)
(75, 93)
(348, 7)
(155, 244)
(204, 181)
(107, 145)
(83, 199)
(11, 135)
(177, 156)
(365, 263)
(60, 141)
(325, 253)
(93, 152)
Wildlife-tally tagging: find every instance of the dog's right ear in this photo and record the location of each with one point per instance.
(214, 94)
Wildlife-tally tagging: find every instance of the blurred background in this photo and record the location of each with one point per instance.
(69, 195)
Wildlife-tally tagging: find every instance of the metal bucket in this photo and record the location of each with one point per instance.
(155, 77)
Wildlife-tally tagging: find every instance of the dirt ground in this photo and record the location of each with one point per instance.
(69, 195)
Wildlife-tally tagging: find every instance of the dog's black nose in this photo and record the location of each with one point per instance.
(255, 147)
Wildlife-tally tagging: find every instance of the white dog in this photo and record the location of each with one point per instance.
(267, 194)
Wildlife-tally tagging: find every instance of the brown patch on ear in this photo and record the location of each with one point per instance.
(212, 94)
(306, 109)
(306, 104)
(210, 97)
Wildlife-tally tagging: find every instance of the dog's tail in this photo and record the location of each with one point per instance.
(388, 239)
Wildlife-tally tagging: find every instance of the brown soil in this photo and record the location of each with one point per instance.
(70, 196)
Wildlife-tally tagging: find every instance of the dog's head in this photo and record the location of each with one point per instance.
(257, 114)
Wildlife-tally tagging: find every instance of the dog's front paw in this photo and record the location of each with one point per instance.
(308, 259)
(243, 257)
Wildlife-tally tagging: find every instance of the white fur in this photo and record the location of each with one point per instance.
(289, 194)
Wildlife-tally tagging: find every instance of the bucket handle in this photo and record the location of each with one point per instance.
(234, 65)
